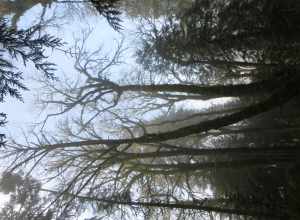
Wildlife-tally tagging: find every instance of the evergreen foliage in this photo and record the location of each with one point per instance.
(27, 46)
(130, 150)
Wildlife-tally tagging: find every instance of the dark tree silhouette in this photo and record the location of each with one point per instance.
(29, 201)
(169, 166)
(109, 10)
(25, 202)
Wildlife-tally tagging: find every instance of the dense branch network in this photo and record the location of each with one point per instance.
(124, 146)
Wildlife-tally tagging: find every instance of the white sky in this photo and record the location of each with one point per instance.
(21, 116)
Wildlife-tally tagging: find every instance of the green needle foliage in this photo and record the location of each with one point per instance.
(28, 46)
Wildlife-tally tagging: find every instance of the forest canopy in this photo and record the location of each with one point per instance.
(204, 126)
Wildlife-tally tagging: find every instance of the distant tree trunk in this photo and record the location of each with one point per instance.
(216, 152)
(183, 205)
(170, 169)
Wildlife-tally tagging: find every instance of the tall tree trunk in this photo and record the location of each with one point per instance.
(281, 96)
(177, 205)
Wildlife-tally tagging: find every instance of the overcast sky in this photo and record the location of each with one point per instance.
(21, 116)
